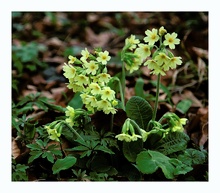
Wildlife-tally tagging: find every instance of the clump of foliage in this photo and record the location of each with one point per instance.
(139, 147)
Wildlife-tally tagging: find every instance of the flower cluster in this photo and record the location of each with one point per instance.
(134, 53)
(128, 133)
(89, 76)
(74, 117)
(175, 123)
(54, 130)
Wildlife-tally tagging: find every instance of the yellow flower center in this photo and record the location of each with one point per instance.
(104, 57)
(170, 40)
(153, 37)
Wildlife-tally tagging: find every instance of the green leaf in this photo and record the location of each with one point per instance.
(139, 110)
(131, 172)
(21, 167)
(49, 156)
(139, 88)
(131, 149)
(34, 147)
(149, 161)
(86, 153)
(41, 105)
(35, 155)
(76, 101)
(172, 142)
(184, 105)
(192, 157)
(56, 152)
(63, 164)
(29, 130)
(100, 164)
(41, 143)
(181, 168)
(55, 107)
(104, 149)
(69, 134)
(79, 148)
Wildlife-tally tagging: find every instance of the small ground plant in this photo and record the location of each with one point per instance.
(106, 138)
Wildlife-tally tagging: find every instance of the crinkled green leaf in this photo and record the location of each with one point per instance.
(139, 110)
(172, 142)
(192, 157)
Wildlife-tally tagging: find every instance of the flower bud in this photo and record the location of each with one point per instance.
(162, 31)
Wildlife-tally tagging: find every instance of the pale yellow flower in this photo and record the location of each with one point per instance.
(103, 77)
(92, 101)
(152, 36)
(91, 67)
(81, 80)
(143, 51)
(135, 137)
(69, 71)
(175, 61)
(95, 88)
(103, 104)
(123, 137)
(70, 112)
(107, 93)
(71, 59)
(162, 58)
(103, 57)
(132, 41)
(85, 55)
(108, 110)
(75, 87)
(171, 40)
(154, 66)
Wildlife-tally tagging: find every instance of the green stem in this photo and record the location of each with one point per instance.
(74, 131)
(157, 97)
(121, 92)
(136, 125)
(111, 124)
(123, 82)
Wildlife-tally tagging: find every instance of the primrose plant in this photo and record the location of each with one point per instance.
(147, 143)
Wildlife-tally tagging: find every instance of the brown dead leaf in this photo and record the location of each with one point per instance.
(98, 40)
(55, 42)
(58, 94)
(56, 59)
(129, 92)
(38, 79)
(198, 126)
(31, 89)
(204, 129)
(15, 149)
(200, 52)
(202, 71)
(187, 94)
(36, 116)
